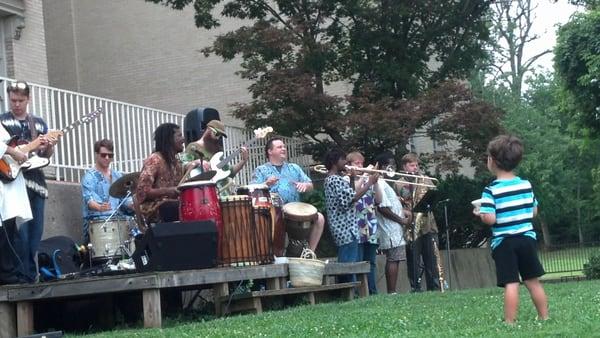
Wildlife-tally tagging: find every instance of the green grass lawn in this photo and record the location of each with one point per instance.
(574, 311)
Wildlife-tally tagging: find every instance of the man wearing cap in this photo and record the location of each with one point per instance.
(26, 128)
(97, 203)
(207, 146)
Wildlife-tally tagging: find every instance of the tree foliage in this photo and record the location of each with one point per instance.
(299, 53)
(559, 159)
(577, 63)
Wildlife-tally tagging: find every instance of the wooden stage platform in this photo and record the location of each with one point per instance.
(17, 302)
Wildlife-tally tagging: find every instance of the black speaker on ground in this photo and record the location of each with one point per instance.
(195, 122)
(177, 246)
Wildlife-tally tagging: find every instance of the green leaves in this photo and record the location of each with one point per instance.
(577, 62)
(340, 70)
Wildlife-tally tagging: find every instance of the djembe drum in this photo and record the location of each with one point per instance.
(298, 218)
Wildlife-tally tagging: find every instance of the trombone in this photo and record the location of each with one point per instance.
(320, 168)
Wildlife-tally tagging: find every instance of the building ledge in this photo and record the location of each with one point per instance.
(12, 7)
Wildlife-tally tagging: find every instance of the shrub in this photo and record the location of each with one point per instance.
(591, 269)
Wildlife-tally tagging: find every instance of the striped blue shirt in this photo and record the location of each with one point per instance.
(512, 201)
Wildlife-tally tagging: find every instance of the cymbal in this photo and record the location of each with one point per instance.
(205, 176)
(126, 183)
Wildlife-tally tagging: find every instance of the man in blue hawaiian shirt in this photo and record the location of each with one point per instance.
(97, 203)
(288, 180)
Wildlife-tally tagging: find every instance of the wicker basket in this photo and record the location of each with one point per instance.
(306, 270)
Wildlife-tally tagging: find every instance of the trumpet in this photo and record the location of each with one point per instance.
(389, 173)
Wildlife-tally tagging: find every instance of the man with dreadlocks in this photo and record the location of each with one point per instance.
(156, 193)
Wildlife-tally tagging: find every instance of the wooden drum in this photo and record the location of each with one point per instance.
(237, 238)
(246, 234)
(264, 239)
(299, 217)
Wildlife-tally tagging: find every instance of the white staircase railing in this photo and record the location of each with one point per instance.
(129, 126)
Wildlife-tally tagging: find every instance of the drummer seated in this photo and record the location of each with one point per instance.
(96, 200)
(287, 180)
(102, 211)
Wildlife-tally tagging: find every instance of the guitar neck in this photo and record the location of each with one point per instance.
(231, 156)
(85, 119)
(71, 126)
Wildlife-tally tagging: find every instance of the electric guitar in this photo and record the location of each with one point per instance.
(10, 169)
(217, 162)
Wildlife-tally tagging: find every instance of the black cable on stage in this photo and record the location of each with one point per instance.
(12, 248)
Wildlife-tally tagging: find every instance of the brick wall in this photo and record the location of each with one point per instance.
(141, 53)
(26, 57)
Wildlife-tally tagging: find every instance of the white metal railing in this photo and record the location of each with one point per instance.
(129, 126)
(237, 136)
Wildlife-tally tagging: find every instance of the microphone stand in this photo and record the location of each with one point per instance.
(103, 226)
(449, 274)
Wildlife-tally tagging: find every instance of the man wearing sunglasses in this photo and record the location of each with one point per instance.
(26, 127)
(207, 146)
(97, 203)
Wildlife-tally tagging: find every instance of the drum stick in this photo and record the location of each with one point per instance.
(187, 172)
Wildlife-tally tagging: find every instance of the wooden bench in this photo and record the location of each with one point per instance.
(252, 301)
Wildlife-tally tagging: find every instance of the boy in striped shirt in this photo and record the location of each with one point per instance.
(509, 205)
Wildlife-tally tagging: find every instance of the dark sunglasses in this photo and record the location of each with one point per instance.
(107, 155)
(216, 132)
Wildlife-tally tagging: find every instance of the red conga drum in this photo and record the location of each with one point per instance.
(198, 201)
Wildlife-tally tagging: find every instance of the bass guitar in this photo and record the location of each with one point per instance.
(218, 162)
(10, 168)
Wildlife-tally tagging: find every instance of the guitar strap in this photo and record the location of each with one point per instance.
(32, 129)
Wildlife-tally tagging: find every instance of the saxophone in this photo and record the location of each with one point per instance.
(440, 269)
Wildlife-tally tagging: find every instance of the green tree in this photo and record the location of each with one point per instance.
(389, 52)
(558, 160)
(577, 63)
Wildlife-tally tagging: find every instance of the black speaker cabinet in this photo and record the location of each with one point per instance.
(194, 123)
(177, 246)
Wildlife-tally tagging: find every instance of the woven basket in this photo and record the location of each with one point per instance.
(306, 270)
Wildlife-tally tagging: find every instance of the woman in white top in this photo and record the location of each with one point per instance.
(14, 210)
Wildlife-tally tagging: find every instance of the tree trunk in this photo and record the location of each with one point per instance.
(545, 233)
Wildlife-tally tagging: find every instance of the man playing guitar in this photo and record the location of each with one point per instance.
(26, 128)
(207, 146)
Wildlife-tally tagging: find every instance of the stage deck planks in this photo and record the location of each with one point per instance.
(17, 301)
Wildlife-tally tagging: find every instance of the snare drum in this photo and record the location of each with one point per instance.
(109, 239)
(261, 197)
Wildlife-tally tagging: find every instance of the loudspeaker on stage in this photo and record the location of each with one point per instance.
(177, 246)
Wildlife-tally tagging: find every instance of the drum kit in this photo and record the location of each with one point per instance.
(251, 225)
(112, 238)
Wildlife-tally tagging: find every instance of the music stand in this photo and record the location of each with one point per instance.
(426, 203)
